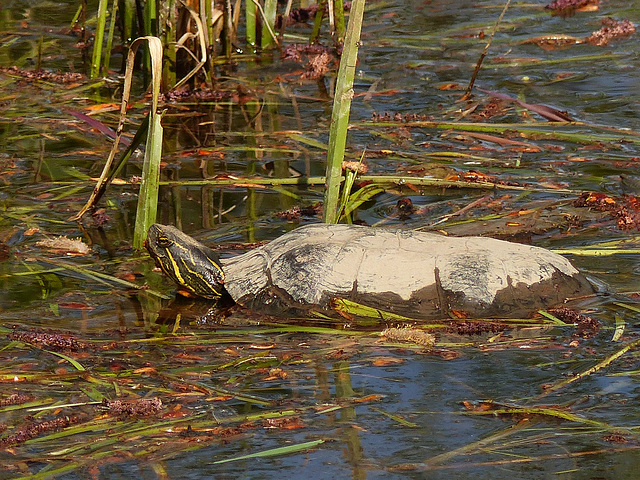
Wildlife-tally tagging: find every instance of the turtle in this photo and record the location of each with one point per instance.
(415, 274)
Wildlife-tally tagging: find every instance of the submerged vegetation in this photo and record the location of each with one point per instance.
(105, 373)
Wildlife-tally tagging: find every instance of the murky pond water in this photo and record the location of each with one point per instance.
(347, 403)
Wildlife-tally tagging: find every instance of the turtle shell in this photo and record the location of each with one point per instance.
(415, 274)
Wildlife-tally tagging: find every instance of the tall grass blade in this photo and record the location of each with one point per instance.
(76, 17)
(269, 24)
(148, 197)
(250, 24)
(340, 113)
(112, 28)
(338, 12)
(128, 20)
(98, 40)
(317, 22)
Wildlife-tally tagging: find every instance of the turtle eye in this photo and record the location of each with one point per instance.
(163, 241)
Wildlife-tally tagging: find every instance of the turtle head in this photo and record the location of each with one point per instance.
(189, 263)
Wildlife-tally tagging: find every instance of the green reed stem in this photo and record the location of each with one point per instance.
(112, 28)
(338, 12)
(148, 198)
(98, 40)
(317, 22)
(340, 113)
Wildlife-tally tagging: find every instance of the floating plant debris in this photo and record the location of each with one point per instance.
(47, 340)
(400, 118)
(32, 431)
(569, 7)
(303, 15)
(587, 326)
(43, 75)
(626, 209)
(615, 438)
(202, 95)
(297, 212)
(295, 51)
(320, 60)
(358, 167)
(15, 399)
(611, 30)
(475, 328)
(136, 408)
(318, 66)
(491, 109)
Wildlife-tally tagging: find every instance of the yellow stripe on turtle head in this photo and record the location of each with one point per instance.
(192, 265)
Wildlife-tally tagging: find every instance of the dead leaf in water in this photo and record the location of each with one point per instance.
(369, 398)
(75, 306)
(187, 356)
(292, 423)
(221, 398)
(103, 107)
(386, 361)
(450, 86)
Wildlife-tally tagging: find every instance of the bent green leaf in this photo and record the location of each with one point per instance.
(275, 451)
